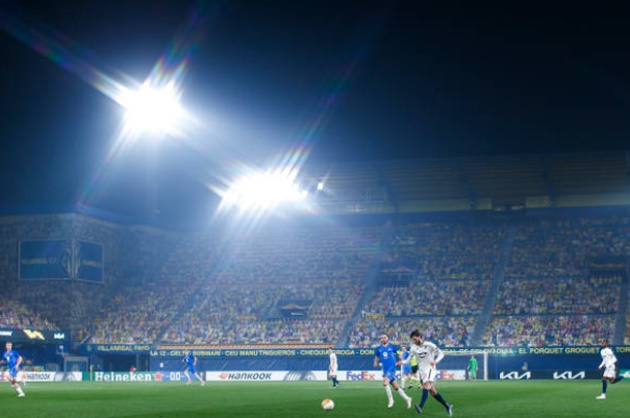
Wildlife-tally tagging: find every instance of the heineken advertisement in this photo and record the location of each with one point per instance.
(161, 376)
(348, 352)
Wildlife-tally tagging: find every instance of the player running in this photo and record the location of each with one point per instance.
(428, 355)
(386, 355)
(191, 362)
(333, 367)
(472, 368)
(611, 373)
(13, 360)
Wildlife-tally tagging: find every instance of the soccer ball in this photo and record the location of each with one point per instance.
(327, 404)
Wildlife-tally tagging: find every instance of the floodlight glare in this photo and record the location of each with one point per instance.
(264, 191)
(320, 186)
(155, 110)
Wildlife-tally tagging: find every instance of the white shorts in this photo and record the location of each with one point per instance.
(428, 374)
(332, 372)
(610, 372)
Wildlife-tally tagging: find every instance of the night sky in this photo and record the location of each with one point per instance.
(406, 79)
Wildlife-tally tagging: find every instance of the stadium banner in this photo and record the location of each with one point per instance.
(352, 352)
(117, 349)
(321, 375)
(45, 260)
(358, 375)
(263, 352)
(159, 376)
(123, 376)
(68, 377)
(265, 376)
(34, 335)
(549, 374)
(170, 376)
(45, 377)
(88, 261)
(31, 376)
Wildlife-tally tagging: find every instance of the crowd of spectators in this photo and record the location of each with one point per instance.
(217, 288)
(455, 250)
(138, 314)
(553, 330)
(595, 295)
(71, 304)
(248, 330)
(229, 289)
(562, 248)
(446, 331)
(219, 312)
(15, 315)
(430, 298)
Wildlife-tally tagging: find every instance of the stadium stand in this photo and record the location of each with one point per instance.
(447, 331)
(225, 287)
(551, 330)
(558, 296)
(430, 298)
(560, 284)
(452, 251)
(14, 314)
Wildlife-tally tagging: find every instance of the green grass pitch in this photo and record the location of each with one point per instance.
(302, 400)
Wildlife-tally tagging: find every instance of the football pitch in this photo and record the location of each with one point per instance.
(302, 400)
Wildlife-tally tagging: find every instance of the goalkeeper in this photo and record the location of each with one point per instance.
(472, 368)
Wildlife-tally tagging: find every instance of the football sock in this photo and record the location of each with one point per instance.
(388, 390)
(402, 393)
(425, 395)
(19, 390)
(617, 379)
(604, 386)
(441, 400)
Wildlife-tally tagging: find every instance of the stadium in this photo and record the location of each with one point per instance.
(125, 302)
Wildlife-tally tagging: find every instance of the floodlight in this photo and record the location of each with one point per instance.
(320, 186)
(264, 190)
(155, 110)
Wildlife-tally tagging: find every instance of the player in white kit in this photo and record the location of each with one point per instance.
(428, 356)
(333, 367)
(611, 373)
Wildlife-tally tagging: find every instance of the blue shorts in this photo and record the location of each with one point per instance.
(191, 369)
(407, 369)
(12, 372)
(390, 374)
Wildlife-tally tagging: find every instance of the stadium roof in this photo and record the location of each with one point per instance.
(476, 182)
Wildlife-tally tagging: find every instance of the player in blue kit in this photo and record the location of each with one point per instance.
(387, 355)
(191, 362)
(13, 360)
